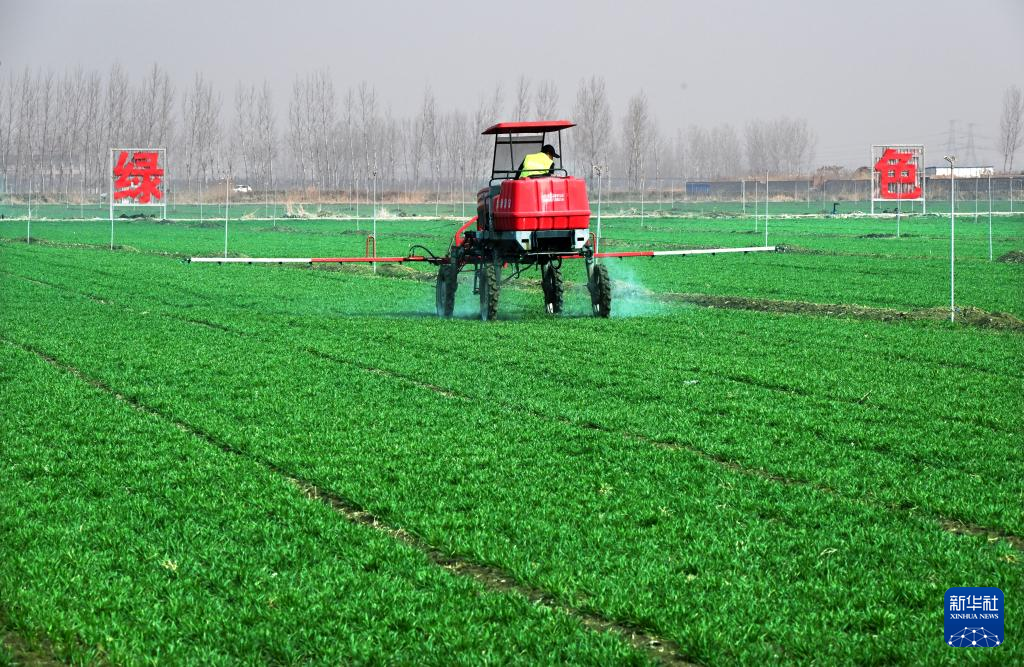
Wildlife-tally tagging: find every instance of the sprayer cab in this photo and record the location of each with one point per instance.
(547, 212)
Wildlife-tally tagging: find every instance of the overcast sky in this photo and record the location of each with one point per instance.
(861, 72)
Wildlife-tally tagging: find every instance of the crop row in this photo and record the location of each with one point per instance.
(658, 537)
(874, 407)
(126, 540)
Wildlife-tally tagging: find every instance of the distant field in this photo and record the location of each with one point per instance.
(617, 204)
(222, 464)
(828, 260)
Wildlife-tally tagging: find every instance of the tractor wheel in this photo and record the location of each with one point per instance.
(447, 282)
(600, 291)
(489, 292)
(554, 289)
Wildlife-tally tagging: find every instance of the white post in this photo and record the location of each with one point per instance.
(975, 198)
(375, 217)
(28, 225)
(110, 194)
(1011, 195)
(874, 175)
(227, 185)
(766, 207)
(897, 218)
(743, 194)
(755, 205)
(990, 217)
(951, 159)
(600, 182)
(641, 203)
(924, 185)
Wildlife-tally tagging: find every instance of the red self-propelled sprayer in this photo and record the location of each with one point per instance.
(524, 219)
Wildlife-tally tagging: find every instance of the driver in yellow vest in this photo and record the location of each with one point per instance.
(539, 164)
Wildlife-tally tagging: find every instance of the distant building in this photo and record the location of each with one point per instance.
(960, 172)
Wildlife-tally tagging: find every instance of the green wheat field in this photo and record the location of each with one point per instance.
(768, 458)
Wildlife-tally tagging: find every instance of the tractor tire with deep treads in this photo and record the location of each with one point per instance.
(554, 289)
(488, 292)
(447, 282)
(600, 291)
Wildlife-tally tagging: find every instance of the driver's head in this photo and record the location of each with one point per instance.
(549, 150)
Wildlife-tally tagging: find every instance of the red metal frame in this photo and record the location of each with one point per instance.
(459, 240)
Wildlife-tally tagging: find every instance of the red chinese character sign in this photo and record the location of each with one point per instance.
(897, 174)
(136, 179)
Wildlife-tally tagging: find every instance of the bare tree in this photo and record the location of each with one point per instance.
(312, 128)
(325, 111)
(189, 128)
(163, 104)
(593, 117)
(7, 113)
(69, 126)
(1010, 126)
(679, 166)
(25, 93)
(389, 140)
(782, 146)
(201, 125)
(348, 145)
(417, 147)
(430, 130)
(46, 110)
(727, 151)
(92, 132)
(118, 99)
(300, 116)
(477, 146)
(713, 153)
(759, 146)
(142, 118)
(521, 102)
(244, 129)
(265, 139)
(368, 129)
(637, 137)
(546, 100)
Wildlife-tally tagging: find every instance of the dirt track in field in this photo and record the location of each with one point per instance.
(22, 651)
(966, 315)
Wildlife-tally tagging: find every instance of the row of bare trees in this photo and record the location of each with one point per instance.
(1011, 126)
(55, 132)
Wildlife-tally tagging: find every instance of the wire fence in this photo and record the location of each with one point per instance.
(665, 196)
